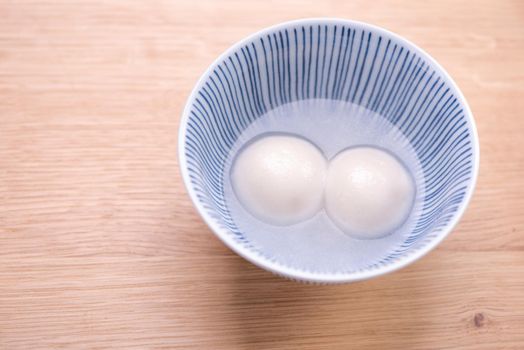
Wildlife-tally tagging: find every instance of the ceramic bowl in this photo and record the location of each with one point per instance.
(338, 83)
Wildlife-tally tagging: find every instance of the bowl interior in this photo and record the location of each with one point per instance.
(405, 102)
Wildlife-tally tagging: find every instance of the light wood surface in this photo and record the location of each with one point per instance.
(100, 247)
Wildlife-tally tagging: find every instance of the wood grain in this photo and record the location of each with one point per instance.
(100, 247)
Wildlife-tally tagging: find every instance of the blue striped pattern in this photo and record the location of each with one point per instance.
(333, 61)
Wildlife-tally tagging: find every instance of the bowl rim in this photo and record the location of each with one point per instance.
(319, 277)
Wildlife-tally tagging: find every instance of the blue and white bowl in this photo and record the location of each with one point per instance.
(338, 83)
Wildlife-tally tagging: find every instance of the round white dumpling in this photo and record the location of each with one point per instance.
(369, 193)
(280, 179)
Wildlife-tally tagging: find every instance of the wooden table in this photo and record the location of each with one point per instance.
(100, 247)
